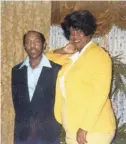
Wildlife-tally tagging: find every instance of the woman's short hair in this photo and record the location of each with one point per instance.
(80, 19)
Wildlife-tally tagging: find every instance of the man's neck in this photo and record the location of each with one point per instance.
(35, 62)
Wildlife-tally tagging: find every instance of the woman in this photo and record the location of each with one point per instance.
(82, 95)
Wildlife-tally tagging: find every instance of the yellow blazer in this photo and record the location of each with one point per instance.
(87, 86)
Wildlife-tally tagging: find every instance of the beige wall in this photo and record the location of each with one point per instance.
(17, 18)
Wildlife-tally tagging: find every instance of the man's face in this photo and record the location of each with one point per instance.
(33, 45)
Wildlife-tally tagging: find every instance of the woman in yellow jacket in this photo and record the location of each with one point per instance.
(82, 102)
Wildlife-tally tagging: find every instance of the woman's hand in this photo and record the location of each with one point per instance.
(68, 49)
(81, 136)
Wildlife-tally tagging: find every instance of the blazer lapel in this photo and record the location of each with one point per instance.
(77, 65)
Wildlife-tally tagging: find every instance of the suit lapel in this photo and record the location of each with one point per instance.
(23, 81)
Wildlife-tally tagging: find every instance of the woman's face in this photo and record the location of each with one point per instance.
(78, 39)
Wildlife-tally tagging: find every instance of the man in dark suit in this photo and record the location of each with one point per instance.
(33, 93)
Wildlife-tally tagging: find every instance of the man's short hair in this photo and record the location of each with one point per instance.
(41, 36)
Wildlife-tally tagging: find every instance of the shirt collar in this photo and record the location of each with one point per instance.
(74, 56)
(77, 54)
(44, 62)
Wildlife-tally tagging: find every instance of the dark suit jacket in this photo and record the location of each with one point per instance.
(35, 118)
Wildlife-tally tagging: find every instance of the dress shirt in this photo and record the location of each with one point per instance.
(34, 74)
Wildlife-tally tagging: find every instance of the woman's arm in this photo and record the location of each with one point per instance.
(98, 91)
(56, 57)
(60, 56)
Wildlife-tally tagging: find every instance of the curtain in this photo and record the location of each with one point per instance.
(17, 18)
(107, 13)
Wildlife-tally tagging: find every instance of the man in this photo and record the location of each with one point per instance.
(33, 90)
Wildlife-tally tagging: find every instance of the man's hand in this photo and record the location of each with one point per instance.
(81, 136)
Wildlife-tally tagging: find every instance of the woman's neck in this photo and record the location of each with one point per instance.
(82, 45)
